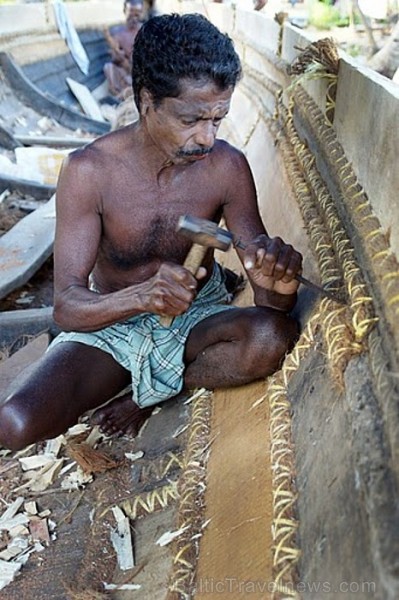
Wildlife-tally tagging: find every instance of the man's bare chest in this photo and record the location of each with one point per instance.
(142, 229)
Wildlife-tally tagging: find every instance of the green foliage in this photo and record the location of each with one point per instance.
(322, 15)
(354, 50)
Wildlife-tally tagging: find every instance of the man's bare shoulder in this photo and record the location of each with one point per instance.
(228, 153)
(236, 175)
(103, 148)
(87, 170)
(229, 158)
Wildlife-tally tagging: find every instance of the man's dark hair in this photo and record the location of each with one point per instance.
(172, 47)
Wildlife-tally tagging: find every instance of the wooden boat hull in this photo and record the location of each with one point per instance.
(42, 99)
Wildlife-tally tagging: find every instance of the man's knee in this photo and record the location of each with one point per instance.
(16, 424)
(272, 334)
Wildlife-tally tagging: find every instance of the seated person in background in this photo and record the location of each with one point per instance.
(121, 40)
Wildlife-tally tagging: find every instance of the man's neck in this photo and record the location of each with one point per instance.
(156, 162)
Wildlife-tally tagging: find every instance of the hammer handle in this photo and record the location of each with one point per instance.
(192, 263)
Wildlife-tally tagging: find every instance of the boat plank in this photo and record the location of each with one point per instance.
(34, 97)
(12, 368)
(18, 326)
(235, 550)
(52, 141)
(39, 191)
(25, 247)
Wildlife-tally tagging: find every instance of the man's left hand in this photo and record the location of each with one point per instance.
(272, 265)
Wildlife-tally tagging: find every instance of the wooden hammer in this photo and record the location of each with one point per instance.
(205, 234)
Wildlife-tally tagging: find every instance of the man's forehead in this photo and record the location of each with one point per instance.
(190, 84)
(197, 107)
(201, 92)
(135, 4)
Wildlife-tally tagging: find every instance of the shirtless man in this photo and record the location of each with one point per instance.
(118, 260)
(118, 72)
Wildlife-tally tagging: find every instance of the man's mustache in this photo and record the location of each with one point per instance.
(196, 152)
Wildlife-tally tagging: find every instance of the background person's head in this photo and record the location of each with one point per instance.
(172, 48)
(134, 10)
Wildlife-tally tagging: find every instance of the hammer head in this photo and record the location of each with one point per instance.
(204, 232)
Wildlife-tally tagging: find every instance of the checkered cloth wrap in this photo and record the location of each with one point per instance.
(153, 353)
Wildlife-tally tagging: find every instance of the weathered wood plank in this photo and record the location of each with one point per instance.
(53, 141)
(40, 191)
(85, 99)
(235, 557)
(16, 326)
(12, 368)
(25, 247)
(34, 97)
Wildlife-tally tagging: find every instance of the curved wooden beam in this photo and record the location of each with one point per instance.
(25, 247)
(28, 93)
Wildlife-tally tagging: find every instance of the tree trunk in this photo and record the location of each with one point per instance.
(386, 60)
(367, 26)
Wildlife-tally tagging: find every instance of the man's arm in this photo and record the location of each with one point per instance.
(78, 232)
(271, 265)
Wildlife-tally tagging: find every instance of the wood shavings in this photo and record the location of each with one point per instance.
(41, 479)
(30, 507)
(76, 480)
(196, 395)
(77, 430)
(12, 509)
(18, 530)
(53, 446)
(122, 540)
(8, 524)
(25, 451)
(123, 586)
(180, 430)
(8, 571)
(94, 436)
(89, 459)
(10, 552)
(39, 530)
(132, 456)
(26, 532)
(169, 536)
(68, 467)
(35, 462)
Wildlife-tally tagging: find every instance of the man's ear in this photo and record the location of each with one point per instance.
(146, 101)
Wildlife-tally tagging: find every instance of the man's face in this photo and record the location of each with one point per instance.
(133, 13)
(185, 128)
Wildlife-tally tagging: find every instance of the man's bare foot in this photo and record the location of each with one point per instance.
(121, 416)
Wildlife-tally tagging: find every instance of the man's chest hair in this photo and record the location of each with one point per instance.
(140, 245)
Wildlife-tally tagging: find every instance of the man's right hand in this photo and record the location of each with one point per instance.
(169, 292)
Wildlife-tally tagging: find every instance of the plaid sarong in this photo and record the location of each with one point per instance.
(153, 353)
